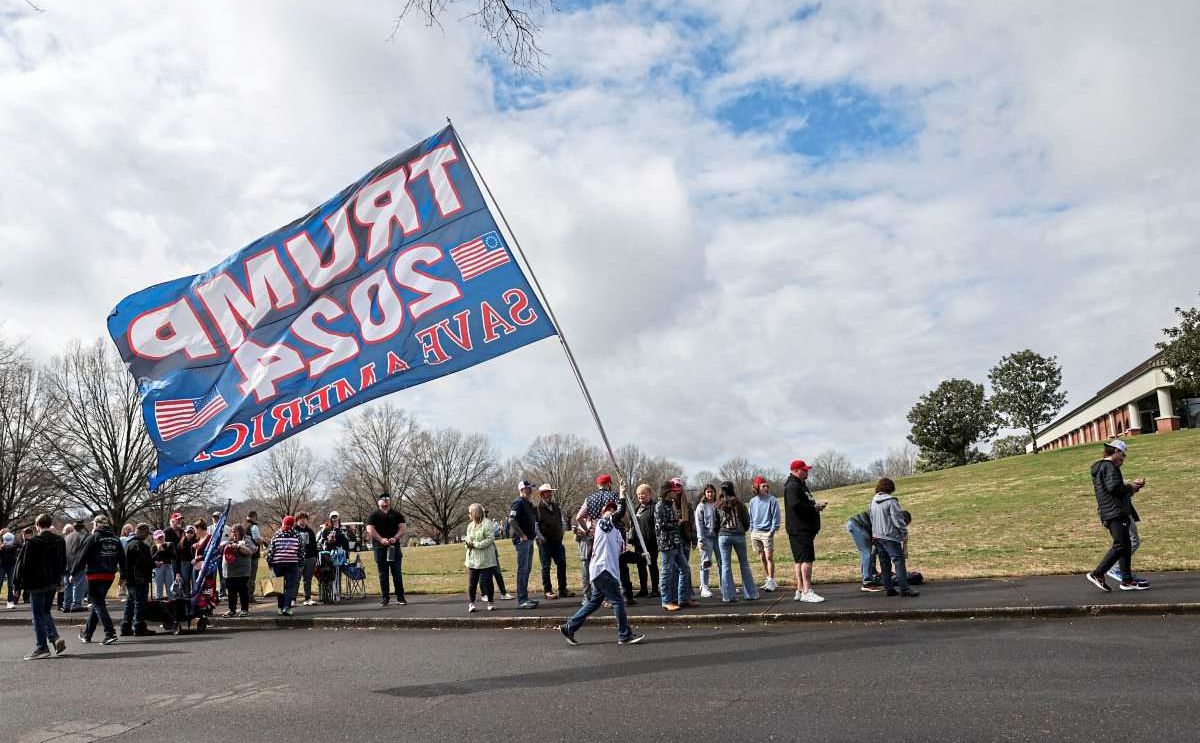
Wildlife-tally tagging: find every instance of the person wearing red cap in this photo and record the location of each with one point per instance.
(803, 523)
(764, 522)
(284, 556)
(585, 520)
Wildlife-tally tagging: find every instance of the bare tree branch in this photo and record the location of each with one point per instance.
(450, 469)
(286, 479)
(511, 25)
(26, 487)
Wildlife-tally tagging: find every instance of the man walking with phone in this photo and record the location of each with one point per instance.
(1115, 506)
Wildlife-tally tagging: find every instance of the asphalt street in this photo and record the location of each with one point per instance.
(1029, 680)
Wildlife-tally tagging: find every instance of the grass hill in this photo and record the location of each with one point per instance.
(1026, 515)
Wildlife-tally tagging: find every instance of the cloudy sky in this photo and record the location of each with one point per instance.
(766, 227)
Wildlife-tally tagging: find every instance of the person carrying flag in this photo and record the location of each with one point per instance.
(607, 546)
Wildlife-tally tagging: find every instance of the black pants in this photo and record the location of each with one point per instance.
(498, 576)
(98, 595)
(474, 576)
(1121, 550)
(638, 559)
(238, 587)
(390, 568)
(135, 607)
(553, 552)
(652, 562)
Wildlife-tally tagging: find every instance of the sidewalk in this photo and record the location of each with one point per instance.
(990, 598)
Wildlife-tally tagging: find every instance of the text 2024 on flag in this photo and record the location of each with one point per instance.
(400, 278)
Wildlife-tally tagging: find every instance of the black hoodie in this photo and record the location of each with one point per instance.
(101, 555)
(42, 562)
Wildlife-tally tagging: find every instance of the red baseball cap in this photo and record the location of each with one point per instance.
(760, 480)
(176, 515)
(604, 480)
(676, 483)
(798, 464)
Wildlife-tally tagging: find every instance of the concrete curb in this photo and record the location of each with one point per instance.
(726, 619)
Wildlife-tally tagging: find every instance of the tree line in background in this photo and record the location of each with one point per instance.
(72, 439)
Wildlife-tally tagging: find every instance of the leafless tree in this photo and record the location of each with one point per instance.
(831, 469)
(511, 24)
(97, 452)
(568, 463)
(901, 462)
(658, 470)
(374, 456)
(26, 487)
(286, 479)
(740, 471)
(450, 470)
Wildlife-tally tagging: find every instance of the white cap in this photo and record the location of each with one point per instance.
(523, 485)
(1117, 444)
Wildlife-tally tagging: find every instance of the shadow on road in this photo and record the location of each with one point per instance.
(685, 661)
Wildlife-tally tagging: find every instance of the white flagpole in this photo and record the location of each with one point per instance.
(562, 338)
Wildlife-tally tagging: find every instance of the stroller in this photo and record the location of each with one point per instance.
(329, 568)
(172, 613)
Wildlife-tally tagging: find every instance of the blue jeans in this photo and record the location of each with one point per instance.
(866, 552)
(710, 554)
(685, 573)
(291, 582)
(524, 567)
(730, 543)
(673, 569)
(43, 621)
(98, 593)
(393, 569)
(74, 589)
(891, 553)
(164, 580)
(136, 596)
(6, 576)
(604, 586)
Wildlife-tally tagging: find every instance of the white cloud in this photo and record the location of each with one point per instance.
(725, 295)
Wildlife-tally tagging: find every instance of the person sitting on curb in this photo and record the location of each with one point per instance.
(1114, 502)
(889, 529)
(604, 571)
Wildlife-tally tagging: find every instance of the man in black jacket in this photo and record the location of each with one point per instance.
(101, 559)
(40, 569)
(1114, 504)
(803, 523)
(550, 542)
(139, 573)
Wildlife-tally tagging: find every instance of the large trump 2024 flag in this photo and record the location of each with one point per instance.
(401, 278)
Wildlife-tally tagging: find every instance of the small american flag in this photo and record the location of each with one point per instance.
(176, 417)
(479, 255)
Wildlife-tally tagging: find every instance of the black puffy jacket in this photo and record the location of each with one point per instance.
(1113, 496)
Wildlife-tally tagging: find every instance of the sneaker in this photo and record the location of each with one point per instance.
(871, 588)
(1099, 582)
(770, 585)
(84, 638)
(60, 646)
(385, 601)
(1132, 585)
(910, 593)
(110, 640)
(1115, 573)
(484, 599)
(507, 597)
(562, 628)
(797, 595)
(671, 607)
(690, 604)
(527, 605)
(1141, 582)
(287, 612)
(310, 602)
(401, 601)
(11, 605)
(243, 613)
(491, 607)
(810, 597)
(551, 595)
(471, 608)
(892, 592)
(38, 654)
(144, 632)
(571, 594)
(634, 640)
(705, 593)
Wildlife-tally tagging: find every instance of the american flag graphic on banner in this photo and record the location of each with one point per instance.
(480, 255)
(176, 417)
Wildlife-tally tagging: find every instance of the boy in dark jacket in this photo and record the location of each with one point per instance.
(1114, 504)
(40, 569)
(101, 559)
(139, 573)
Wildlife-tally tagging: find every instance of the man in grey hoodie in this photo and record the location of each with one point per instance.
(889, 530)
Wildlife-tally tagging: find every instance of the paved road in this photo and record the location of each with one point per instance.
(1118, 678)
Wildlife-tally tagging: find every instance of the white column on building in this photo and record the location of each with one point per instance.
(1135, 416)
(1166, 407)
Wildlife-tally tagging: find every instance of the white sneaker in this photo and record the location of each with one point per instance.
(770, 585)
(507, 596)
(705, 593)
(11, 605)
(797, 596)
(484, 599)
(471, 608)
(811, 597)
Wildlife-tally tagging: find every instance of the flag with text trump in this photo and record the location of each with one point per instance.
(401, 278)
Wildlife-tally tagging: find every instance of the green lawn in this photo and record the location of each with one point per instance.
(1027, 515)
